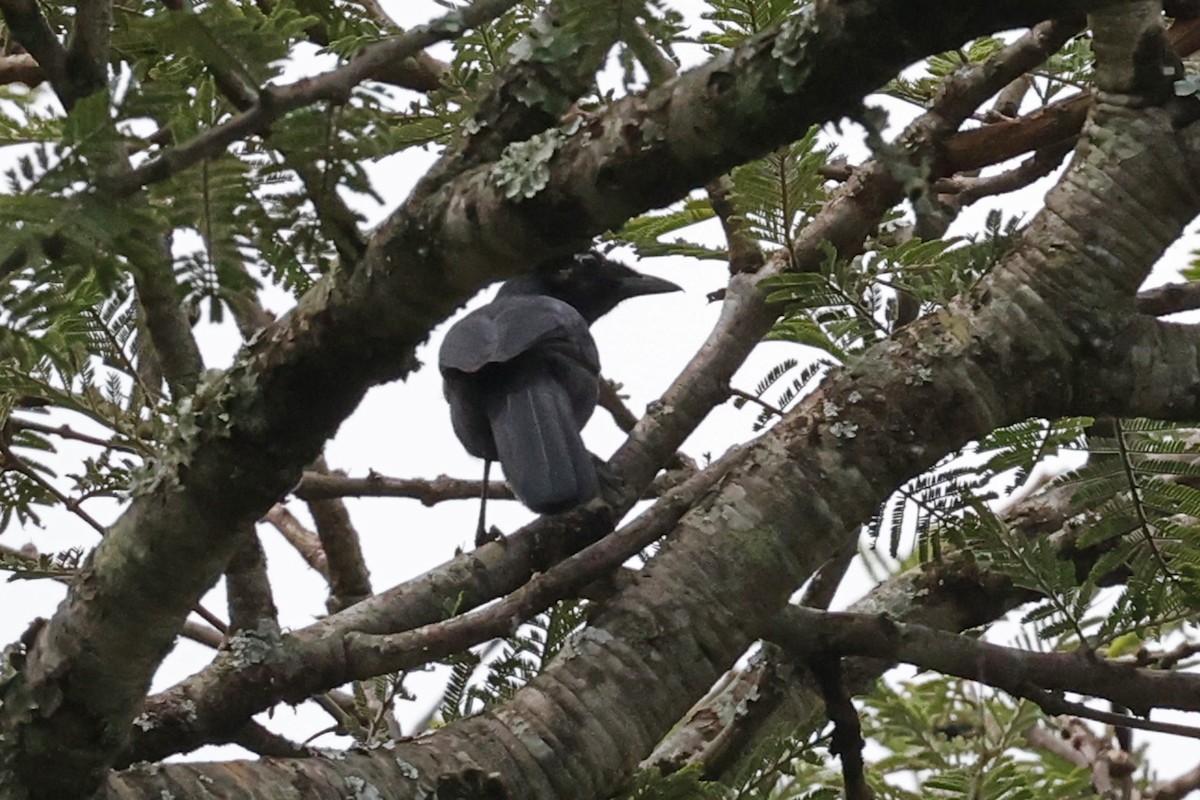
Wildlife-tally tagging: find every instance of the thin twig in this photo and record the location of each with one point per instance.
(12, 461)
(751, 398)
(275, 101)
(67, 432)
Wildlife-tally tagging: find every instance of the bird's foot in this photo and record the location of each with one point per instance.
(492, 534)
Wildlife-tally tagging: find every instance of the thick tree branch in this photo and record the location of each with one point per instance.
(248, 590)
(167, 322)
(87, 49)
(536, 88)
(951, 594)
(1149, 368)
(804, 630)
(1133, 65)
(1170, 298)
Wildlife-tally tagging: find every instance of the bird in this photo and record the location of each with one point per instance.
(521, 375)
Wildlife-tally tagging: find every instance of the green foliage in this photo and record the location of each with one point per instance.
(42, 565)
(686, 784)
(785, 768)
(807, 375)
(932, 737)
(478, 55)
(71, 332)
(923, 88)
(69, 346)
(1140, 509)
(511, 663)
(644, 233)
(779, 194)
(1137, 485)
(795, 767)
(845, 306)
(735, 20)
(1069, 68)
(952, 739)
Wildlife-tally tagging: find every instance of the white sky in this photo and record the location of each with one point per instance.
(402, 430)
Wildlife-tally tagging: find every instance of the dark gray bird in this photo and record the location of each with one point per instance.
(522, 376)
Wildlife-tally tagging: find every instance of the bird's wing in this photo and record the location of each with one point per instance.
(509, 326)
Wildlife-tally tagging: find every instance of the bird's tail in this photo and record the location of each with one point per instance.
(538, 441)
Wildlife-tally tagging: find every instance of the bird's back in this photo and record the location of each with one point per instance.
(507, 327)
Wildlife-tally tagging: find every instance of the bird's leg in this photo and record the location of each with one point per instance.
(482, 534)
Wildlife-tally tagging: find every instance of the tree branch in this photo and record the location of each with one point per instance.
(1078, 745)
(319, 486)
(67, 432)
(349, 579)
(21, 68)
(1170, 298)
(304, 541)
(846, 742)
(1178, 788)
(274, 102)
(257, 739)
(1039, 165)
(533, 91)
(1148, 370)
(175, 349)
(801, 630)
(248, 590)
(375, 655)
(30, 28)
(87, 49)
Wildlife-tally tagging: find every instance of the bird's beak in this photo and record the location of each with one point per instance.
(636, 285)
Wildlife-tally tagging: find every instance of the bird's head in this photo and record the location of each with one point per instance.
(589, 282)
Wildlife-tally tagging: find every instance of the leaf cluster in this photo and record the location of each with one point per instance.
(1070, 69)
(477, 683)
